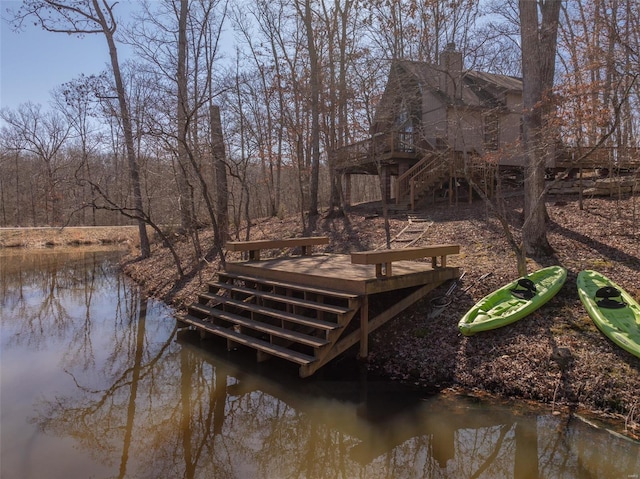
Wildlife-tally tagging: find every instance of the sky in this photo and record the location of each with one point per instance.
(33, 62)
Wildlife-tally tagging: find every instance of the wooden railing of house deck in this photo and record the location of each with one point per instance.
(602, 157)
(379, 147)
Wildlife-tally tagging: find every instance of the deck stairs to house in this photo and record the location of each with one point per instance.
(298, 323)
(422, 179)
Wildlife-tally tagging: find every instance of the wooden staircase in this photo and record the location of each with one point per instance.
(300, 324)
(422, 177)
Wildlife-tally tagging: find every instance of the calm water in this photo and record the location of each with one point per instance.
(96, 382)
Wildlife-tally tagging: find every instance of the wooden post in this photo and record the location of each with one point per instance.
(451, 183)
(413, 194)
(364, 327)
(386, 178)
(347, 189)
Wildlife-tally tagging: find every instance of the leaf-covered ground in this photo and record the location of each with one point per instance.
(555, 356)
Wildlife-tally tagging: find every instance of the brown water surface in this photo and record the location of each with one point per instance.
(96, 382)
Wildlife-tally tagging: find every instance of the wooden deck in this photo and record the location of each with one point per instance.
(311, 308)
(335, 271)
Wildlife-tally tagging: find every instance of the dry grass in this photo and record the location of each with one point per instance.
(71, 236)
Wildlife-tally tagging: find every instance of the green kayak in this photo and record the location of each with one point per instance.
(614, 310)
(513, 301)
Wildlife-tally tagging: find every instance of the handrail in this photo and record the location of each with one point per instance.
(253, 247)
(383, 259)
(404, 179)
(619, 156)
(374, 147)
(421, 171)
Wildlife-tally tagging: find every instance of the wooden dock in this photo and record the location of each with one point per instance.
(310, 308)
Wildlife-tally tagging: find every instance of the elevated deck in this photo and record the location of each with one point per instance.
(311, 308)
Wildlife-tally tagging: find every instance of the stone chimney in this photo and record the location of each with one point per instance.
(451, 71)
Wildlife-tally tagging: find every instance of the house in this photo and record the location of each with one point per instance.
(433, 121)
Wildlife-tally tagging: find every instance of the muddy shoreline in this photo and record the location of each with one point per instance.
(556, 357)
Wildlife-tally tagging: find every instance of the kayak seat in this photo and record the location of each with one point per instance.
(525, 289)
(607, 292)
(609, 303)
(611, 298)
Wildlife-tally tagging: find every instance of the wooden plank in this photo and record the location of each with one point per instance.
(364, 328)
(274, 313)
(294, 286)
(282, 299)
(274, 244)
(257, 245)
(389, 255)
(289, 334)
(258, 344)
(335, 271)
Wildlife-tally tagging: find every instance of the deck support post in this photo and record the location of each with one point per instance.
(364, 327)
(347, 189)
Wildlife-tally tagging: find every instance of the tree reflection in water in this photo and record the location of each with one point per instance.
(133, 399)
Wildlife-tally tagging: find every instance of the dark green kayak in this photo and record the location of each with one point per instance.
(513, 301)
(612, 309)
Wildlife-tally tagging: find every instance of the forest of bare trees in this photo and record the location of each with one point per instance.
(234, 110)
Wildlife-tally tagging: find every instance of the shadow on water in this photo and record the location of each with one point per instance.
(96, 383)
(455, 436)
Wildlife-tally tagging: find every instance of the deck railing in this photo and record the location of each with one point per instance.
(422, 172)
(376, 148)
(602, 157)
(384, 146)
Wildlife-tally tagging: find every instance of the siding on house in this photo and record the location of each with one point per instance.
(466, 110)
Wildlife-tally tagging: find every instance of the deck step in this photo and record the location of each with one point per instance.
(255, 343)
(277, 331)
(274, 313)
(328, 308)
(297, 287)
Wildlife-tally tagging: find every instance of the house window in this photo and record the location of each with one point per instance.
(491, 132)
(404, 126)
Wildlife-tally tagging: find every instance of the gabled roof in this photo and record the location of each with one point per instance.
(479, 89)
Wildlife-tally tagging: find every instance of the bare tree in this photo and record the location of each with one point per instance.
(307, 17)
(76, 100)
(262, 35)
(85, 17)
(43, 134)
(183, 110)
(179, 40)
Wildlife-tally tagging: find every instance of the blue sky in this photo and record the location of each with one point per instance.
(34, 62)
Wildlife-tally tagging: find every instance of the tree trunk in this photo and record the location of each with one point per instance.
(134, 169)
(220, 168)
(185, 203)
(315, 110)
(539, 43)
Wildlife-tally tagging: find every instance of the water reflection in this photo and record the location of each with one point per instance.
(97, 383)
